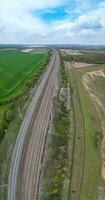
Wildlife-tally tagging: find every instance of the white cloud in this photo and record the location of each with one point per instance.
(88, 28)
(17, 21)
(18, 25)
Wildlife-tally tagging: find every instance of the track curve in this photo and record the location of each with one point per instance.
(26, 162)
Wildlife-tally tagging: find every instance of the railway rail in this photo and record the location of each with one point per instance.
(26, 162)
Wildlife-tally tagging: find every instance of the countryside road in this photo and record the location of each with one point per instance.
(28, 151)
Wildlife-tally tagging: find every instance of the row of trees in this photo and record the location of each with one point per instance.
(93, 57)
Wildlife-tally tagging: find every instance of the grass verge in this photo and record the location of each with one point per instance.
(10, 121)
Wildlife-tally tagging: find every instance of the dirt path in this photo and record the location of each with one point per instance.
(78, 141)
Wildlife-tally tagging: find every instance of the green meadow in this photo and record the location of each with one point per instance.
(19, 73)
(15, 69)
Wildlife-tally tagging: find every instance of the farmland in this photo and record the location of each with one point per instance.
(18, 72)
(15, 69)
(19, 75)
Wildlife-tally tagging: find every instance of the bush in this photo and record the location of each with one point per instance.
(29, 83)
(3, 126)
(98, 137)
(9, 115)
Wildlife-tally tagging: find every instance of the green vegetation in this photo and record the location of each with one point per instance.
(92, 163)
(77, 140)
(57, 164)
(90, 57)
(20, 73)
(87, 125)
(93, 133)
(16, 69)
(74, 162)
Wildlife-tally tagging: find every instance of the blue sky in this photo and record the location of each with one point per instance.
(71, 9)
(56, 21)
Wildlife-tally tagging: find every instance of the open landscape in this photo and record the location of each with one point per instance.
(87, 82)
(19, 73)
(14, 74)
(52, 100)
(52, 125)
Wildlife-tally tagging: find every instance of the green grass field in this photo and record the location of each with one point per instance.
(19, 73)
(92, 159)
(15, 69)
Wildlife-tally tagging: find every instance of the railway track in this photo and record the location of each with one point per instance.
(28, 152)
(78, 146)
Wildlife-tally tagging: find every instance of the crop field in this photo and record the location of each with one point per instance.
(15, 69)
(19, 73)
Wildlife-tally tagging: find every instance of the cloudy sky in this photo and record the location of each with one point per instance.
(52, 21)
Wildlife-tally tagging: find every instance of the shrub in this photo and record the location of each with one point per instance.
(9, 115)
(3, 126)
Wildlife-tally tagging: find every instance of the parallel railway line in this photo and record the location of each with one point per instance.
(26, 162)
